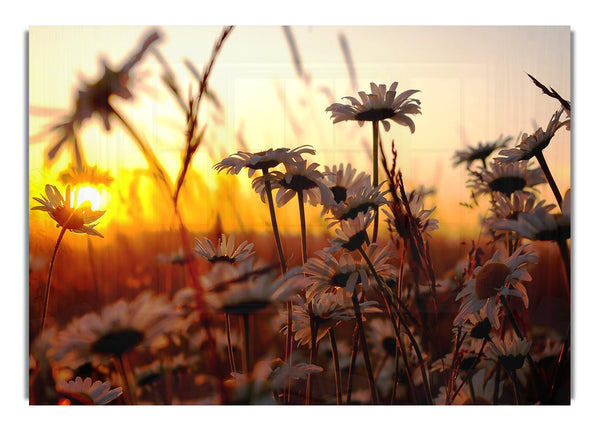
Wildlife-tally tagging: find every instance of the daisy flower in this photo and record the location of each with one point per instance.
(85, 392)
(421, 216)
(531, 145)
(237, 290)
(505, 178)
(365, 199)
(298, 177)
(327, 310)
(541, 225)
(482, 387)
(480, 152)
(85, 175)
(509, 207)
(117, 329)
(177, 257)
(511, 352)
(352, 233)
(225, 250)
(282, 374)
(498, 276)
(78, 220)
(343, 181)
(262, 160)
(380, 105)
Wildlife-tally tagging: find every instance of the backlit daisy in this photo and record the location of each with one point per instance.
(530, 145)
(481, 386)
(225, 250)
(380, 105)
(262, 160)
(498, 276)
(117, 329)
(78, 220)
(480, 152)
(365, 199)
(85, 392)
(298, 177)
(509, 207)
(352, 233)
(343, 181)
(327, 310)
(237, 290)
(505, 178)
(511, 351)
(85, 174)
(541, 225)
(398, 218)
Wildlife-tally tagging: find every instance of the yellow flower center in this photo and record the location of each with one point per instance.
(490, 279)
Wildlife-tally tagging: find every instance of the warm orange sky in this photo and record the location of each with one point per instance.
(472, 80)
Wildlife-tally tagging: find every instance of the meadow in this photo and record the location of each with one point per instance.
(267, 276)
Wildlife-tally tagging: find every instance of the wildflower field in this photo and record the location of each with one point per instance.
(226, 222)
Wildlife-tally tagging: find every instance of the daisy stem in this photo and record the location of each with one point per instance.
(375, 174)
(127, 393)
(314, 328)
(542, 161)
(246, 324)
(302, 225)
(513, 322)
(498, 369)
(289, 339)
(363, 345)
(513, 377)
(229, 347)
(93, 269)
(336, 366)
(564, 252)
(352, 364)
(470, 373)
(384, 293)
(47, 293)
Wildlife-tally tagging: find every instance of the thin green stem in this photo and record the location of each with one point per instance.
(515, 380)
(566, 259)
(336, 366)
(542, 161)
(470, 372)
(375, 174)
(314, 328)
(47, 293)
(127, 392)
(363, 345)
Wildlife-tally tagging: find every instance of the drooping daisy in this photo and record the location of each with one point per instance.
(352, 233)
(85, 392)
(498, 276)
(261, 160)
(78, 220)
(480, 152)
(398, 218)
(298, 177)
(225, 250)
(326, 274)
(117, 329)
(343, 181)
(282, 374)
(505, 178)
(85, 175)
(237, 290)
(511, 351)
(380, 105)
(481, 385)
(176, 257)
(365, 199)
(509, 207)
(530, 145)
(327, 310)
(541, 225)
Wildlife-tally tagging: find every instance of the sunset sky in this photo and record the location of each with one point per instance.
(472, 81)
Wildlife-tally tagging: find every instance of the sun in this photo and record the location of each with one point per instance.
(87, 193)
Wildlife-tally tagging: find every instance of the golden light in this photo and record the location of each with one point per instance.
(90, 194)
